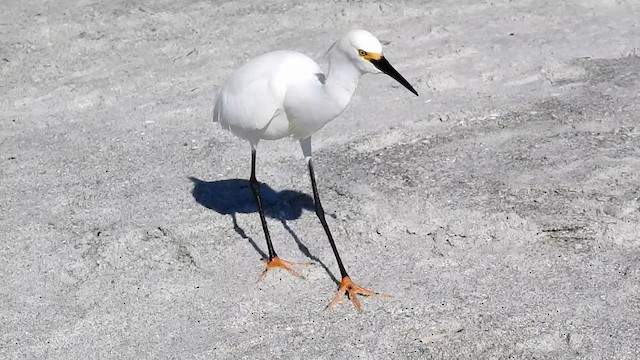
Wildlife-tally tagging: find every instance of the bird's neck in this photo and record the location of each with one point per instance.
(342, 80)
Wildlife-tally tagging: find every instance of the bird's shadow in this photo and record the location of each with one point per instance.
(233, 196)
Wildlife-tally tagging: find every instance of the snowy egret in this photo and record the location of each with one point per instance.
(285, 94)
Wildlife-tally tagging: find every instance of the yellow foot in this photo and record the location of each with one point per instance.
(276, 262)
(352, 290)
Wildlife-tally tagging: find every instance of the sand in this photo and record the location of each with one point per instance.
(500, 209)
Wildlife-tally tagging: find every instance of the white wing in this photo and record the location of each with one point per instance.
(250, 103)
(249, 99)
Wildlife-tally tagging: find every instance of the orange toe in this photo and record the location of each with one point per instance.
(276, 262)
(352, 290)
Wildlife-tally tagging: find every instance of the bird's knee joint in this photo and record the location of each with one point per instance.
(254, 183)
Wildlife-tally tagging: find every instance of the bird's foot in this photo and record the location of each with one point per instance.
(352, 290)
(276, 262)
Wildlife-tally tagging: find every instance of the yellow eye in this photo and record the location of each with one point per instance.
(362, 52)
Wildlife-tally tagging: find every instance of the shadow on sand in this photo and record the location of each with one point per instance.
(233, 196)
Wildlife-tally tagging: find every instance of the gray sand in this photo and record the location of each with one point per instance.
(500, 209)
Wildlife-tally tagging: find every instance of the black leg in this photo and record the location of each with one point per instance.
(323, 221)
(255, 188)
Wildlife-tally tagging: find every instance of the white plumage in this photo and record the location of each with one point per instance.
(286, 94)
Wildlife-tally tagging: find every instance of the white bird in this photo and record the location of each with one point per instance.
(285, 94)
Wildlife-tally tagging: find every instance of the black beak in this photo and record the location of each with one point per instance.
(384, 66)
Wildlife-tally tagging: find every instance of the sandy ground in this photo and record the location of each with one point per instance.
(500, 209)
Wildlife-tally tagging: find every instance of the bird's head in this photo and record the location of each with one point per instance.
(365, 51)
